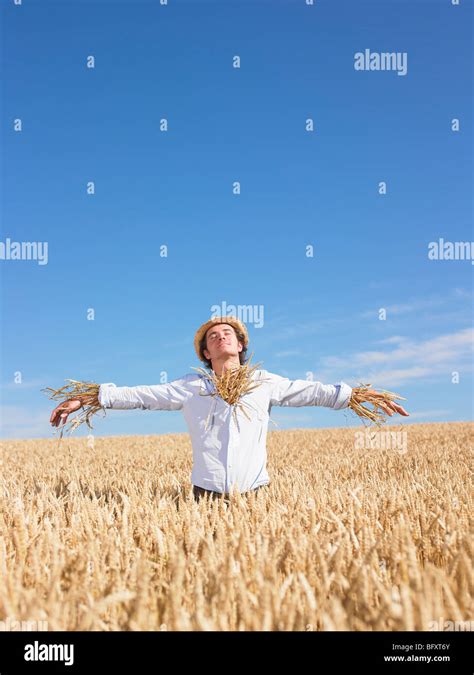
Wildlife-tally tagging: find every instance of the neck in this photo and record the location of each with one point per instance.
(227, 363)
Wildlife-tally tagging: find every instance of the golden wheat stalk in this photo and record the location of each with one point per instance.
(87, 393)
(378, 413)
(233, 383)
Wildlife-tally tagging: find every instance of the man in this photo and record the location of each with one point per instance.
(229, 454)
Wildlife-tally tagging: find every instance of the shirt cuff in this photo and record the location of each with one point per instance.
(343, 396)
(104, 399)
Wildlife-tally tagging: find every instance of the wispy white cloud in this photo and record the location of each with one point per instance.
(463, 292)
(22, 422)
(405, 308)
(20, 386)
(450, 307)
(409, 360)
(395, 339)
(419, 304)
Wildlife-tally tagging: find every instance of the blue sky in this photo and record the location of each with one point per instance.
(175, 188)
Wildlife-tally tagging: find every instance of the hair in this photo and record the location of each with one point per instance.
(240, 338)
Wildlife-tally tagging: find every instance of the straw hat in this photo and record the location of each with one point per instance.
(231, 320)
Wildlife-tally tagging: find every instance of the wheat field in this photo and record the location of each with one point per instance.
(103, 534)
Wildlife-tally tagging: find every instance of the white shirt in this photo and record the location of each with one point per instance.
(229, 450)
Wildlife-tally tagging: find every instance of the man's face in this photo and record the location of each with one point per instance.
(221, 342)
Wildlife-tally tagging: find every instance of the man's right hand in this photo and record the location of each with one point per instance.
(62, 411)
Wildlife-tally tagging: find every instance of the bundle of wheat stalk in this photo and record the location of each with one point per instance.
(87, 393)
(377, 398)
(233, 383)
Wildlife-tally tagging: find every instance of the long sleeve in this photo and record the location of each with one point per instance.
(169, 396)
(296, 393)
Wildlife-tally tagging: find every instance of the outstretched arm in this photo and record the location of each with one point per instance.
(169, 396)
(296, 393)
(287, 392)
